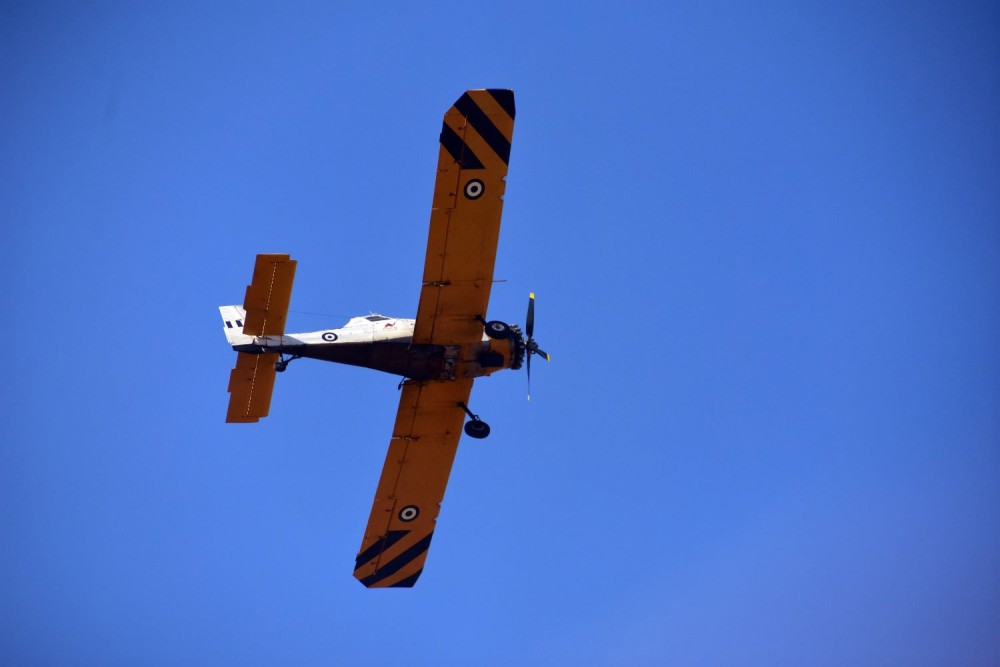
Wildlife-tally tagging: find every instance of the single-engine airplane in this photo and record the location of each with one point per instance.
(439, 354)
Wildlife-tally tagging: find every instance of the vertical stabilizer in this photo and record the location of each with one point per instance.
(233, 318)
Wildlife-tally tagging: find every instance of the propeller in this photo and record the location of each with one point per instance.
(532, 346)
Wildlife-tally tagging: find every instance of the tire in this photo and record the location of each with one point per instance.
(477, 428)
(498, 330)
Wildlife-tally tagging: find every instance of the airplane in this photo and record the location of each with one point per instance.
(439, 354)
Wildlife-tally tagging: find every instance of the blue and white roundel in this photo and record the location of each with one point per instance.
(474, 189)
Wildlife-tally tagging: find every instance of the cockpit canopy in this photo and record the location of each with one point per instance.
(366, 321)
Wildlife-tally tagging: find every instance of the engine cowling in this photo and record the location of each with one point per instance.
(506, 352)
(518, 347)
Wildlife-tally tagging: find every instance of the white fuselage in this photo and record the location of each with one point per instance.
(368, 329)
(378, 342)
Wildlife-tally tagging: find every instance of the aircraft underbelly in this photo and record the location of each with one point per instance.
(418, 362)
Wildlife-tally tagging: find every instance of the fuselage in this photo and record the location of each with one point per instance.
(386, 344)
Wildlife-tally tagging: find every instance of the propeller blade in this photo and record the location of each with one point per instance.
(534, 349)
(529, 375)
(529, 329)
(529, 321)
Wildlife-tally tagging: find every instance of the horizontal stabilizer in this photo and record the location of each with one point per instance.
(251, 384)
(268, 295)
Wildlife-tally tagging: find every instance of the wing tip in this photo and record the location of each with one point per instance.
(505, 98)
(373, 581)
(401, 571)
(502, 96)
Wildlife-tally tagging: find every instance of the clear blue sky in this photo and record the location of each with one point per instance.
(764, 239)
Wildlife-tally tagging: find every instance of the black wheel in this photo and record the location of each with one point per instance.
(280, 366)
(477, 428)
(497, 330)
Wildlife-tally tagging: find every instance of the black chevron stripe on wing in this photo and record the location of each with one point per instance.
(498, 103)
(482, 124)
(399, 571)
(375, 550)
(505, 98)
(457, 148)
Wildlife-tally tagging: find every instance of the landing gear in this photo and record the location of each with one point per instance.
(475, 427)
(495, 329)
(282, 363)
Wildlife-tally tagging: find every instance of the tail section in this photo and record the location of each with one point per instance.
(233, 318)
(263, 313)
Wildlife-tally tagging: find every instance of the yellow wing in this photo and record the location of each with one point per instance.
(465, 217)
(424, 440)
(458, 276)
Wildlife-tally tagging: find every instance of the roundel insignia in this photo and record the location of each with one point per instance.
(329, 336)
(474, 189)
(409, 513)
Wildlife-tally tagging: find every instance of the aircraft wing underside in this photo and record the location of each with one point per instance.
(465, 217)
(408, 499)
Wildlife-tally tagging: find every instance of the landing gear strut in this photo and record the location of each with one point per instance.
(282, 363)
(475, 427)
